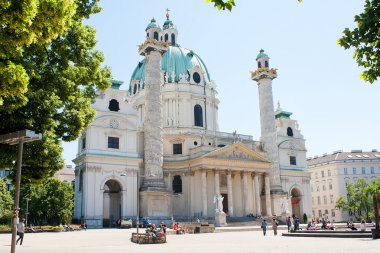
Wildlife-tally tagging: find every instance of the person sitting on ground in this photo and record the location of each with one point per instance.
(179, 229)
(353, 227)
(162, 227)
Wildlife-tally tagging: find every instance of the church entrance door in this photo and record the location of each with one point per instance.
(225, 203)
(296, 202)
(111, 203)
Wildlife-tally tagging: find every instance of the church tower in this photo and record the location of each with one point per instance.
(264, 75)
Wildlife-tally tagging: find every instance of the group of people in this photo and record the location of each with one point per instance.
(154, 232)
(293, 223)
(351, 226)
(264, 226)
(179, 230)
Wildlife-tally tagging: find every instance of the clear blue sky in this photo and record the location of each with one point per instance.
(317, 80)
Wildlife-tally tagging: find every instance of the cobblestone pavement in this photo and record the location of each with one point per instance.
(118, 240)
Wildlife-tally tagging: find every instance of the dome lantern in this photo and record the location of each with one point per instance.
(170, 32)
(262, 60)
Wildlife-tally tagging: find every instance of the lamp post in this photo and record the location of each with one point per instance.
(19, 137)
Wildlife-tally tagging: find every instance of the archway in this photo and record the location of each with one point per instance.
(296, 202)
(111, 203)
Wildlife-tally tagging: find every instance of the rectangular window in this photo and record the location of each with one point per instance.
(83, 143)
(113, 142)
(324, 200)
(317, 188)
(345, 171)
(324, 187)
(332, 212)
(293, 160)
(363, 170)
(354, 171)
(330, 186)
(372, 170)
(329, 173)
(319, 200)
(331, 199)
(177, 149)
(322, 173)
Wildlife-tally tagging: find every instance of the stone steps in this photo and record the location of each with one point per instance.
(332, 235)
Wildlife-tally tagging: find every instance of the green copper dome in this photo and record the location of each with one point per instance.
(261, 54)
(176, 59)
(151, 24)
(168, 24)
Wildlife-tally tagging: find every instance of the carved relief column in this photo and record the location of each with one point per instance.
(257, 194)
(229, 194)
(267, 195)
(217, 182)
(204, 193)
(245, 193)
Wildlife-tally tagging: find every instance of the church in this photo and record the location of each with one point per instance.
(155, 150)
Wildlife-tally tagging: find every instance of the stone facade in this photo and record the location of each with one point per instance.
(331, 172)
(159, 152)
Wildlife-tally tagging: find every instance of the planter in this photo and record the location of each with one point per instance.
(375, 233)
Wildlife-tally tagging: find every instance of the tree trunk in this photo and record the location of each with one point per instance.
(376, 210)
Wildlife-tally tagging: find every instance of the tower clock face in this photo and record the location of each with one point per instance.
(114, 123)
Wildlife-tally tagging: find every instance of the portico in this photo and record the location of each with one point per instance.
(235, 171)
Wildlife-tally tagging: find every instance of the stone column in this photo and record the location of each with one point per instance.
(204, 193)
(267, 195)
(264, 76)
(257, 194)
(245, 193)
(170, 182)
(217, 182)
(153, 189)
(229, 194)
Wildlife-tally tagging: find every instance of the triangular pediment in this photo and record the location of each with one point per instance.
(237, 151)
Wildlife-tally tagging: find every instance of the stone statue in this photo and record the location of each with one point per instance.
(173, 77)
(166, 77)
(284, 205)
(218, 199)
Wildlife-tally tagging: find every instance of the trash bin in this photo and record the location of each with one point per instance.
(197, 230)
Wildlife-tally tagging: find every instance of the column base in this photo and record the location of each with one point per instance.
(280, 205)
(220, 219)
(156, 204)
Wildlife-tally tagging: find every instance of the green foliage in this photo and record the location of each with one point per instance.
(222, 5)
(359, 198)
(51, 201)
(64, 72)
(6, 201)
(25, 23)
(365, 39)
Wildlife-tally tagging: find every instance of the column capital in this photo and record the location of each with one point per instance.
(150, 45)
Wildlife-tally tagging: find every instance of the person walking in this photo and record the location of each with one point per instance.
(264, 226)
(289, 223)
(274, 225)
(20, 231)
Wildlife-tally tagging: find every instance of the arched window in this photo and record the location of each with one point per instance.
(147, 34)
(81, 180)
(173, 39)
(161, 38)
(259, 64)
(155, 35)
(289, 131)
(166, 37)
(266, 64)
(198, 116)
(135, 88)
(114, 105)
(177, 184)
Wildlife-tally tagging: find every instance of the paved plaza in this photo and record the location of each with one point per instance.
(117, 240)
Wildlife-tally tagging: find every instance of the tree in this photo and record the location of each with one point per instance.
(374, 191)
(25, 23)
(359, 198)
(365, 38)
(63, 78)
(51, 201)
(5, 201)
